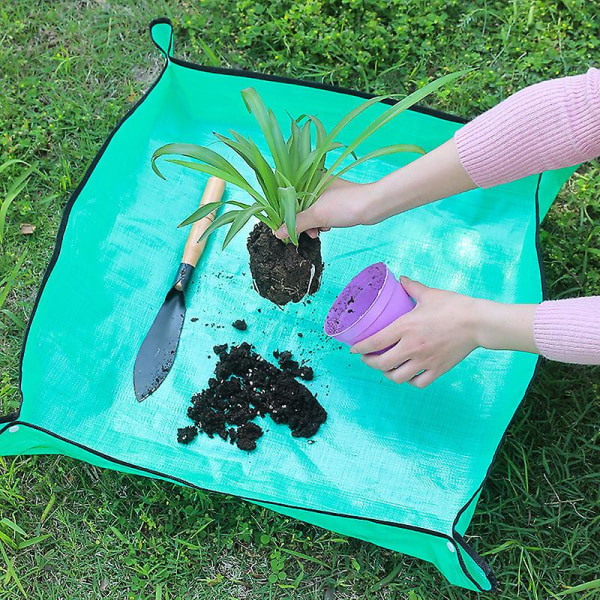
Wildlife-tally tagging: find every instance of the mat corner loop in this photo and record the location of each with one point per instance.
(161, 32)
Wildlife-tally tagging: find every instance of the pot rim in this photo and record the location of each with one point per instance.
(387, 275)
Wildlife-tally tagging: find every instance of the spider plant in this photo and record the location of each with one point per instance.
(299, 174)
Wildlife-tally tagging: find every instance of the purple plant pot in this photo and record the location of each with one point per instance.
(370, 302)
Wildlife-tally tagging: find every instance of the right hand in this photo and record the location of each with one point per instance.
(343, 204)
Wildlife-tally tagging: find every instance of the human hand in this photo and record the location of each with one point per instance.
(343, 204)
(441, 330)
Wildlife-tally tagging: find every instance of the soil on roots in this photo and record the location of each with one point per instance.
(283, 272)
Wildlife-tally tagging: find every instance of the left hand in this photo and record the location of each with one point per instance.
(429, 340)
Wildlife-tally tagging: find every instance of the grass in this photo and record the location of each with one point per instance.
(69, 530)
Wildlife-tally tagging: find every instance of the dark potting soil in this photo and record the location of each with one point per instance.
(246, 386)
(283, 272)
(291, 366)
(240, 324)
(355, 298)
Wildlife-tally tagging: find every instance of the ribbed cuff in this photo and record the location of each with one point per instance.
(569, 330)
(546, 126)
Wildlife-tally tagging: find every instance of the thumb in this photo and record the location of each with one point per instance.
(304, 220)
(413, 288)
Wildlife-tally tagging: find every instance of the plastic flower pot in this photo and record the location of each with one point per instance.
(370, 302)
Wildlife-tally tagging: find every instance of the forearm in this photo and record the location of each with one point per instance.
(561, 330)
(546, 126)
(499, 326)
(433, 176)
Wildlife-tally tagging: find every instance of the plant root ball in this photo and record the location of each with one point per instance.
(283, 272)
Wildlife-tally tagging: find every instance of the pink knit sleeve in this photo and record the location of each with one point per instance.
(569, 330)
(546, 126)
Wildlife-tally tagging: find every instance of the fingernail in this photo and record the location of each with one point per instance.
(353, 350)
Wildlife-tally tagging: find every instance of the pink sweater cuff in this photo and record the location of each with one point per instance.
(546, 126)
(569, 330)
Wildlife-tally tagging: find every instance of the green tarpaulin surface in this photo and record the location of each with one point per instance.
(393, 465)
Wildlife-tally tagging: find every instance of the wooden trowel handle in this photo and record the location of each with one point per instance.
(193, 249)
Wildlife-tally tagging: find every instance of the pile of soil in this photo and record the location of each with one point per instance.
(246, 386)
(283, 272)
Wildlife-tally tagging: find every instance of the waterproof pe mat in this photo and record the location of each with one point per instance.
(393, 465)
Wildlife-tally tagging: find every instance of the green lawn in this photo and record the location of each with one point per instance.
(69, 71)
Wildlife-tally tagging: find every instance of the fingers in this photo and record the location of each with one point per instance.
(313, 232)
(423, 379)
(404, 372)
(387, 361)
(413, 288)
(305, 221)
(384, 338)
(282, 232)
(408, 371)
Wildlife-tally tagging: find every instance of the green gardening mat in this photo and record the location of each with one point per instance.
(393, 465)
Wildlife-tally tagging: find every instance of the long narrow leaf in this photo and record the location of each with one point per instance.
(197, 152)
(12, 161)
(17, 186)
(330, 177)
(269, 126)
(394, 111)
(217, 165)
(289, 201)
(202, 212)
(250, 154)
(267, 177)
(221, 220)
(211, 170)
(241, 219)
(323, 143)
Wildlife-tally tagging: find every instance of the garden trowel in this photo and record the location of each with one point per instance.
(157, 352)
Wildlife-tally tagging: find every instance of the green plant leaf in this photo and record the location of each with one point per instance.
(211, 163)
(202, 212)
(290, 208)
(270, 128)
(393, 112)
(240, 220)
(8, 282)
(250, 154)
(17, 186)
(324, 140)
(199, 153)
(221, 220)
(386, 150)
(211, 170)
(12, 161)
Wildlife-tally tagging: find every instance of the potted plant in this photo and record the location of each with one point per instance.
(290, 180)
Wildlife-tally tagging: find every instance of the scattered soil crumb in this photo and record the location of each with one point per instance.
(287, 363)
(194, 319)
(186, 434)
(240, 324)
(246, 386)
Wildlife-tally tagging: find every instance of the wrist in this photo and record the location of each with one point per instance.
(386, 197)
(371, 203)
(499, 326)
